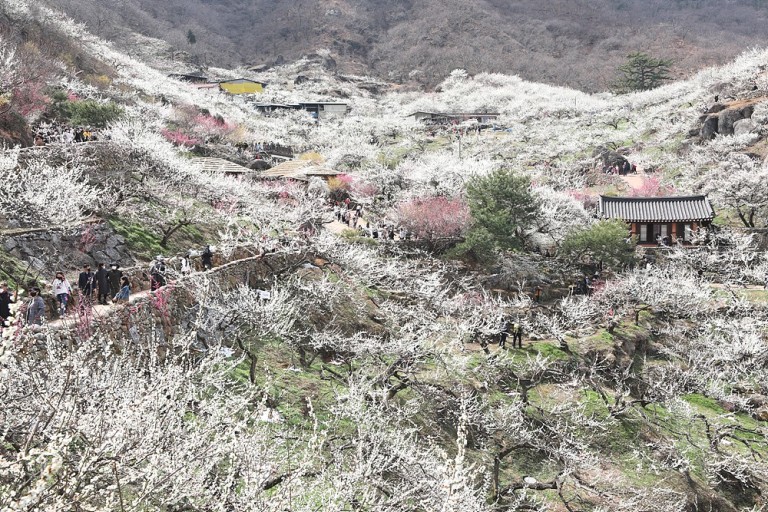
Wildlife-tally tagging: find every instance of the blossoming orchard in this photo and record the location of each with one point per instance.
(369, 311)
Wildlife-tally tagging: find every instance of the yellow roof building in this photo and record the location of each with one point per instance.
(241, 86)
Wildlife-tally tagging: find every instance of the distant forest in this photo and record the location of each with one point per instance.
(578, 43)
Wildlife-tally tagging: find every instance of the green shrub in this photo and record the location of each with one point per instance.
(92, 113)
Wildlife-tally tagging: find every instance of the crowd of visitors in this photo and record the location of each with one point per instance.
(620, 168)
(103, 287)
(49, 133)
(353, 216)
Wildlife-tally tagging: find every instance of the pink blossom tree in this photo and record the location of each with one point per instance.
(653, 187)
(432, 218)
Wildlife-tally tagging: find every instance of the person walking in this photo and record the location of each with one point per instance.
(125, 291)
(157, 273)
(35, 307)
(207, 258)
(85, 283)
(102, 282)
(517, 334)
(114, 274)
(5, 304)
(61, 290)
(505, 330)
(186, 265)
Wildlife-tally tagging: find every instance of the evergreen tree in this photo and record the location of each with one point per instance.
(502, 208)
(605, 241)
(191, 39)
(642, 72)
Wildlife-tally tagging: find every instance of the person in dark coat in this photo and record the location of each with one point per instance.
(102, 282)
(505, 330)
(113, 275)
(36, 308)
(85, 283)
(207, 258)
(5, 304)
(157, 273)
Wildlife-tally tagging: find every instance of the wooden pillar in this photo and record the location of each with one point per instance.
(673, 235)
(634, 229)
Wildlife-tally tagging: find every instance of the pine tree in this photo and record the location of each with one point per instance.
(642, 72)
(191, 39)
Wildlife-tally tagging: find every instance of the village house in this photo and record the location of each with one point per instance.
(454, 118)
(298, 170)
(660, 220)
(320, 110)
(323, 109)
(189, 77)
(268, 108)
(220, 166)
(242, 86)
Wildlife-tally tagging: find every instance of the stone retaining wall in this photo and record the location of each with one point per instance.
(156, 316)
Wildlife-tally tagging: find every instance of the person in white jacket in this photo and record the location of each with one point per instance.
(62, 290)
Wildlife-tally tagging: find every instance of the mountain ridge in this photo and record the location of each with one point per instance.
(575, 44)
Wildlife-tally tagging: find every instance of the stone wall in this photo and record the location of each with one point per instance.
(156, 316)
(67, 250)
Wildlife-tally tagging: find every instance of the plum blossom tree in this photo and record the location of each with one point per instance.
(435, 217)
(40, 194)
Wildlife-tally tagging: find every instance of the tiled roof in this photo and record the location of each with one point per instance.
(657, 209)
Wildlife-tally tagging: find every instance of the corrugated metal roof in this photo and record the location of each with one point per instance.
(657, 209)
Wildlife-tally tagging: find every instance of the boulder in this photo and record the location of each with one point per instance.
(329, 64)
(761, 414)
(757, 400)
(726, 119)
(610, 158)
(259, 165)
(709, 128)
(744, 126)
(717, 107)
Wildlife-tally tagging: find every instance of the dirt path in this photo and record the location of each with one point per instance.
(336, 227)
(635, 181)
(98, 311)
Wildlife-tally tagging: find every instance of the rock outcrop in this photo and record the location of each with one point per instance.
(723, 119)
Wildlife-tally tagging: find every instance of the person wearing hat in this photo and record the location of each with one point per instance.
(35, 308)
(113, 275)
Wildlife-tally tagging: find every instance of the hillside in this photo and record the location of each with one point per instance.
(344, 359)
(576, 44)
